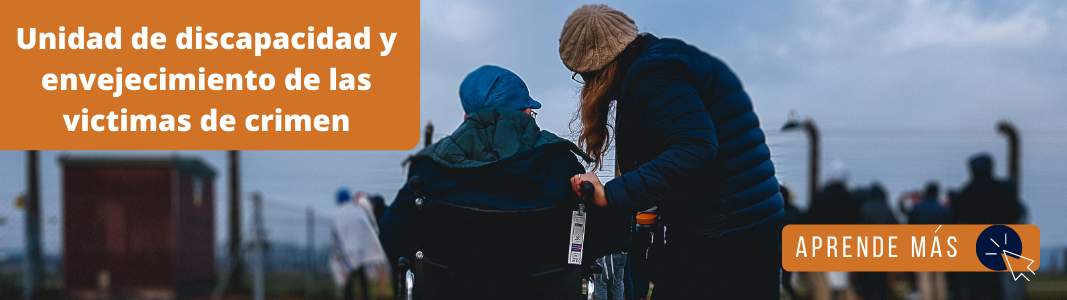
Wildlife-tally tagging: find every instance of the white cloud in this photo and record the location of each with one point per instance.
(939, 23)
(459, 21)
(933, 63)
(782, 51)
(841, 27)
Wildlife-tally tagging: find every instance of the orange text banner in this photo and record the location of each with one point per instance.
(209, 75)
(909, 248)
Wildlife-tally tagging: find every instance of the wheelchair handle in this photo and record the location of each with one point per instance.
(587, 190)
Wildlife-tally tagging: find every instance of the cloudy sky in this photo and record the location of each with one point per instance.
(903, 90)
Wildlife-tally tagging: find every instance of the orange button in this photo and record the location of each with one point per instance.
(909, 248)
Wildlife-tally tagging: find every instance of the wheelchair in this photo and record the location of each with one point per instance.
(465, 252)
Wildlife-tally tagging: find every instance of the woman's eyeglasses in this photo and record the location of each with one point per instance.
(583, 77)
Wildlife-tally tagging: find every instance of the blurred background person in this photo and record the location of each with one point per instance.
(378, 202)
(984, 200)
(834, 204)
(364, 202)
(357, 255)
(929, 211)
(874, 210)
(931, 285)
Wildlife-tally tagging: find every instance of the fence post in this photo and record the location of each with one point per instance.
(33, 267)
(813, 149)
(429, 134)
(1014, 160)
(234, 210)
(258, 283)
(309, 279)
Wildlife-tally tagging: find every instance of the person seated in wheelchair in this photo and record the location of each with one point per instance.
(493, 206)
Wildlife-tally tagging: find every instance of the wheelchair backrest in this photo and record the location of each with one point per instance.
(475, 241)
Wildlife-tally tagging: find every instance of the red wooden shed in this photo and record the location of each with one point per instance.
(138, 226)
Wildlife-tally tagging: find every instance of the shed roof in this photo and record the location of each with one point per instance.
(193, 165)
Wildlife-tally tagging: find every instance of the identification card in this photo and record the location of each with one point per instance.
(577, 238)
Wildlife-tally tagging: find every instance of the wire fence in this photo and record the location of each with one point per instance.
(296, 247)
(901, 159)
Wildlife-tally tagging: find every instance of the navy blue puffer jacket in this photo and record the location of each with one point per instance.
(688, 141)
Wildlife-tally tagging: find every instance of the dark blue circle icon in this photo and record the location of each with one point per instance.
(996, 241)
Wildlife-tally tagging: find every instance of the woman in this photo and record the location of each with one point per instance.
(688, 142)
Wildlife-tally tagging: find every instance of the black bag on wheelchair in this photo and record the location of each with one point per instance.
(464, 252)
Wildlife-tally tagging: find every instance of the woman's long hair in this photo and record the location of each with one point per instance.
(602, 87)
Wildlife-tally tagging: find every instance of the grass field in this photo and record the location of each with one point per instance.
(1047, 286)
(282, 286)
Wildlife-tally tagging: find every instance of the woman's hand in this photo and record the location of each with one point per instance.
(598, 198)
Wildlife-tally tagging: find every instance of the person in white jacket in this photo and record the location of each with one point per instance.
(357, 253)
(363, 201)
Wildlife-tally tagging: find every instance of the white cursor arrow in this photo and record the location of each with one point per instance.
(1006, 262)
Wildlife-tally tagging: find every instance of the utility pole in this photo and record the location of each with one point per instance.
(429, 135)
(33, 229)
(237, 271)
(258, 243)
(309, 279)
